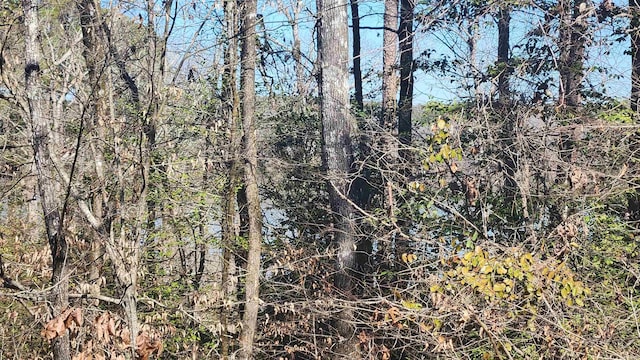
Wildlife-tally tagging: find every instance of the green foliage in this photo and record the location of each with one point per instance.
(615, 112)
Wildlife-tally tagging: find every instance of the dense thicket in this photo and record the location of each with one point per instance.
(190, 180)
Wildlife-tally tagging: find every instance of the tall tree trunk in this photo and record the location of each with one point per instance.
(571, 42)
(504, 22)
(247, 94)
(301, 87)
(389, 73)
(49, 185)
(406, 72)
(633, 197)
(389, 120)
(634, 10)
(230, 109)
(509, 156)
(356, 49)
(337, 150)
(95, 56)
(472, 63)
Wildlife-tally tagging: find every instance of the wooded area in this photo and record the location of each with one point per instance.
(271, 180)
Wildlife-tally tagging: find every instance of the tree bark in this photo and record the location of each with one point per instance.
(95, 56)
(504, 22)
(389, 119)
(337, 150)
(472, 62)
(230, 110)
(389, 74)
(247, 94)
(571, 42)
(356, 49)
(49, 186)
(406, 72)
(509, 156)
(301, 87)
(634, 10)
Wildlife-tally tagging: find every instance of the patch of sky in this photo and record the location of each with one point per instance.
(197, 38)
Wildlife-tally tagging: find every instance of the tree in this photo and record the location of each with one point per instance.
(357, 60)
(510, 159)
(50, 187)
(389, 66)
(504, 68)
(634, 10)
(405, 103)
(247, 95)
(294, 19)
(233, 166)
(572, 39)
(337, 149)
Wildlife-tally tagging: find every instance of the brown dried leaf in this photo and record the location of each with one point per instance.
(74, 318)
(147, 346)
(105, 327)
(386, 354)
(81, 356)
(125, 336)
(111, 326)
(56, 326)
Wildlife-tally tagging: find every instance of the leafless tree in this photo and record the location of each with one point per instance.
(247, 96)
(50, 186)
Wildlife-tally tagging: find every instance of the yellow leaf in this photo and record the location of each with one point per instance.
(526, 261)
(468, 256)
(441, 123)
(486, 269)
(411, 305)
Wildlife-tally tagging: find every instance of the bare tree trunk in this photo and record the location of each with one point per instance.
(571, 42)
(634, 10)
(231, 108)
(247, 94)
(389, 119)
(389, 72)
(509, 155)
(337, 151)
(357, 71)
(406, 72)
(633, 197)
(297, 52)
(472, 62)
(504, 22)
(95, 56)
(49, 186)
